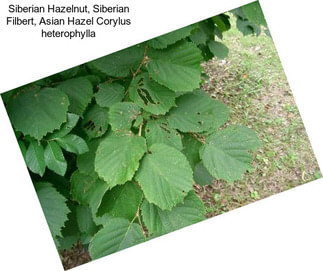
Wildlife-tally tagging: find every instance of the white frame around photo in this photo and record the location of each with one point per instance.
(282, 232)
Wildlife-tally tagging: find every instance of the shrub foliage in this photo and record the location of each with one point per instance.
(114, 146)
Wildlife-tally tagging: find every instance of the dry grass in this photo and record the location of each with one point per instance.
(251, 81)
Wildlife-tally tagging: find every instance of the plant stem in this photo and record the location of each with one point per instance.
(144, 61)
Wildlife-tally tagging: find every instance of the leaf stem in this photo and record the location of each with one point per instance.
(140, 223)
(202, 140)
(143, 62)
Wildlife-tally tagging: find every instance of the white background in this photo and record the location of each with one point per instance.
(283, 232)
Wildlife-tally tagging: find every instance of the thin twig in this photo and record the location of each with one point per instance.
(202, 140)
(143, 62)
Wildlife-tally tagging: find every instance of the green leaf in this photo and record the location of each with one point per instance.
(191, 149)
(22, 147)
(35, 158)
(199, 37)
(201, 175)
(207, 26)
(218, 49)
(73, 143)
(37, 113)
(165, 176)
(72, 120)
(247, 28)
(117, 157)
(197, 112)
(120, 64)
(222, 113)
(158, 131)
(121, 201)
(53, 205)
(254, 13)
(161, 222)
(177, 67)
(88, 190)
(222, 21)
(150, 95)
(139, 121)
(163, 41)
(109, 94)
(54, 158)
(117, 234)
(79, 91)
(96, 121)
(84, 220)
(69, 73)
(121, 115)
(205, 32)
(85, 161)
(67, 242)
(226, 153)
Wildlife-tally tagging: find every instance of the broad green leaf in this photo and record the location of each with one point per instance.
(218, 49)
(121, 115)
(96, 121)
(197, 112)
(222, 113)
(163, 41)
(121, 63)
(139, 121)
(70, 231)
(37, 113)
(117, 234)
(150, 95)
(117, 157)
(206, 53)
(158, 131)
(79, 91)
(222, 21)
(72, 120)
(55, 159)
(247, 28)
(59, 182)
(177, 67)
(85, 161)
(207, 27)
(84, 220)
(67, 242)
(53, 205)
(35, 159)
(6, 96)
(67, 74)
(121, 201)
(88, 190)
(204, 33)
(199, 37)
(201, 175)
(160, 221)
(22, 147)
(226, 153)
(254, 13)
(18, 134)
(94, 79)
(73, 143)
(191, 148)
(109, 94)
(165, 176)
